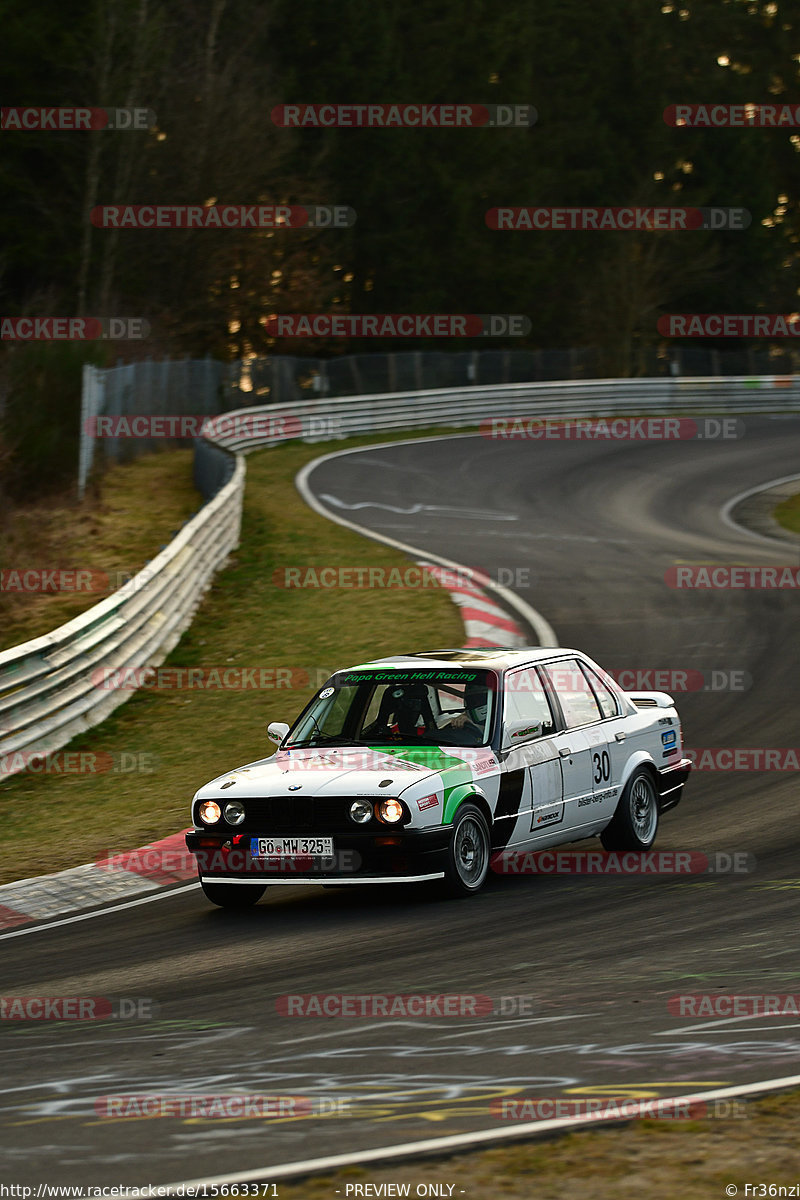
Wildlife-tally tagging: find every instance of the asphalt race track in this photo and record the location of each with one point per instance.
(580, 968)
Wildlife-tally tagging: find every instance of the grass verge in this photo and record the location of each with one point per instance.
(659, 1159)
(142, 505)
(162, 745)
(787, 513)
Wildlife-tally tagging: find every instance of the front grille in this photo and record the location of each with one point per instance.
(297, 814)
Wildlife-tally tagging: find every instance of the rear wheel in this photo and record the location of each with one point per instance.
(468, 852)
(233, 895)
(635, 822)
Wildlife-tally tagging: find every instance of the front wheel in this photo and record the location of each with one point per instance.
(233, 895)
(634, 824)
(468, 852)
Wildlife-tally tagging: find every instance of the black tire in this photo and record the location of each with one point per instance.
(468, 852)
(635, 822)
(233, 895)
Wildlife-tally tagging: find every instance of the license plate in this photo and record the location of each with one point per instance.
(283, 846)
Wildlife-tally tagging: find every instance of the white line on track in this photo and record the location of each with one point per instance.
(432, 1147)
(542, 628)
(97, 912)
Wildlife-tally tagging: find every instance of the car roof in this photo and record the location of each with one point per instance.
(494, 658)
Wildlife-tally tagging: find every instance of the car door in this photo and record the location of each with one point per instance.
(608, 769)
(530, 756)
(582, 747)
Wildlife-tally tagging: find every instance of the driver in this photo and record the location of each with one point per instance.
(469, 727)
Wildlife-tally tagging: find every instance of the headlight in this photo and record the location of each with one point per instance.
(391, 811)
(210, 812)
(361, 811)
(234, 813)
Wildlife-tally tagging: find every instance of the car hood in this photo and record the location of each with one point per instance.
(348, 770)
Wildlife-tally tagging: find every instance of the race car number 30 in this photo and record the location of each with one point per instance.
(276, 847)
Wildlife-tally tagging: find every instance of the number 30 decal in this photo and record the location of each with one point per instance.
(602, 767)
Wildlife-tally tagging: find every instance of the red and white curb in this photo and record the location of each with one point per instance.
(485, 622)
(120, 877)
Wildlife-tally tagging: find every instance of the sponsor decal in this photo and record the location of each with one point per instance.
(551, 815)
(428, 802)
(403, 678)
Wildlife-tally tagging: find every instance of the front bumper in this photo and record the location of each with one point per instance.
(404, 856)
(671, 782)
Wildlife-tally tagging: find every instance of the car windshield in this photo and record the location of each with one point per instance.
(395, 707)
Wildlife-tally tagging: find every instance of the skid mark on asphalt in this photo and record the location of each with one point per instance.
(467, 514)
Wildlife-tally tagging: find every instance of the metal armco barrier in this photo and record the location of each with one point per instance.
(48, 688)
(246, 429)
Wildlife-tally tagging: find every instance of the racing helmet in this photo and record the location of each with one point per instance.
(476, 702)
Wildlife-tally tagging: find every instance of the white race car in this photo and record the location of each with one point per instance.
(430, 766)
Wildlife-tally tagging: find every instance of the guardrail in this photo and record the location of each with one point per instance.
(49, 686)
(248, 428)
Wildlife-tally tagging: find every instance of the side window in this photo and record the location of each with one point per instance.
(526, 702)
(577, 699)
(605, 697)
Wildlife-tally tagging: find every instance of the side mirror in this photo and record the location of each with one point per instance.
(277, 731)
